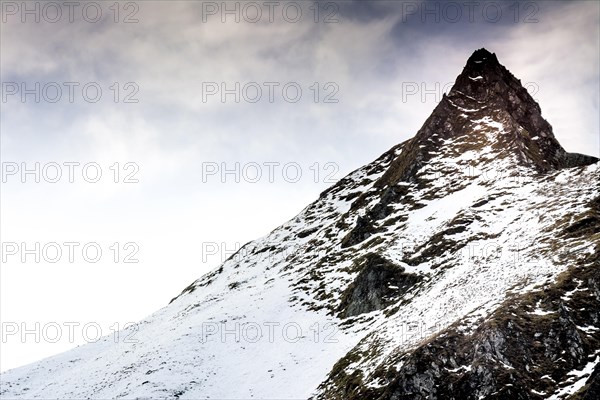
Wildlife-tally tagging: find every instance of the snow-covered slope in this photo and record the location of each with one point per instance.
(430, 247)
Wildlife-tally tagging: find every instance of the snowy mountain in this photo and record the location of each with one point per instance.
(461, 264)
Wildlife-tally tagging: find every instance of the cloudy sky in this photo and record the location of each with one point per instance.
(211, 123)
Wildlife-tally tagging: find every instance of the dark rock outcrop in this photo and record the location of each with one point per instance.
(361, 231)
(576, 160)
(379, 284)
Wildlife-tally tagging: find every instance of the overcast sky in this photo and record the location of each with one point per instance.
(324, 88)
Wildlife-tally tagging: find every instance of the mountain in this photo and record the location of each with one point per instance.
(461, 264)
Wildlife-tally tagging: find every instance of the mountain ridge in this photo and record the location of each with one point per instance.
(482, 210)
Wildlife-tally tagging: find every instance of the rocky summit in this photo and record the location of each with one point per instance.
(464, 263)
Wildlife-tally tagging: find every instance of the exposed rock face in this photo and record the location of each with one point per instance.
(361, 231)
(378, 284)
(576, 160)
(484, 89)
(591, 390)
(461, 264)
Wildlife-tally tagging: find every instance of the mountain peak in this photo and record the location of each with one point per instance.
(482, 55)
(489, 118)
(483, 77)
(485, 89)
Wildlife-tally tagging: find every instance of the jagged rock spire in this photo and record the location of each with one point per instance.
(486, 89)
(483, 77)
(488, 115)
